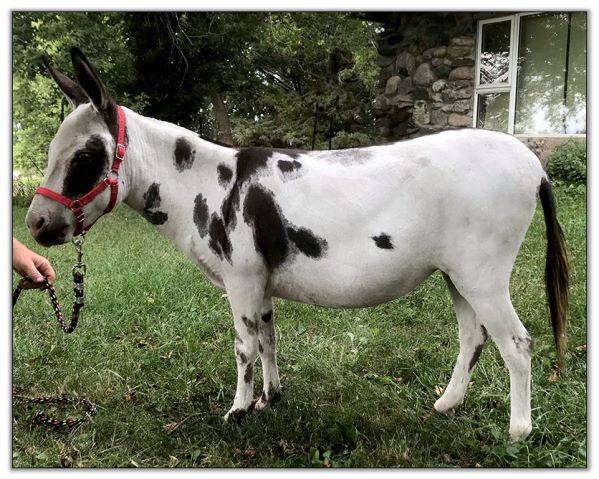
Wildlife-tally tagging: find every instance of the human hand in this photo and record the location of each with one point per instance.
(29, 264)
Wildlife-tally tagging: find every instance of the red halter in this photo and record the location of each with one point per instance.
(111, 180)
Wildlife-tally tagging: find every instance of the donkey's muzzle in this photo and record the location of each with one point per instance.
(45, 230)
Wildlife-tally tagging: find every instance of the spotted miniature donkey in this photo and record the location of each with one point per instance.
(346, 229)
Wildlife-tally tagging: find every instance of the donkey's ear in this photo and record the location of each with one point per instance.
(72, 91)
(90, 82)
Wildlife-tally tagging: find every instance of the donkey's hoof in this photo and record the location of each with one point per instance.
(267, 400)
(520, 432)
(236, 415)
(445, 405)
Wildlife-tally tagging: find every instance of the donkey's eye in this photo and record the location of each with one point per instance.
(83, 157)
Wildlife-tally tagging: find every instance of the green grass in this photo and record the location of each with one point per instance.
(154, 350)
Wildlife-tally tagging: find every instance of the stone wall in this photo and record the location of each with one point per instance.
(427, 74)
(427, 63)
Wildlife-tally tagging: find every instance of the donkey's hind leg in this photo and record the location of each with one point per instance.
(490, 300)
(472, 339)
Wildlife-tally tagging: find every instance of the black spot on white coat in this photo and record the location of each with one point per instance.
(183, 155)
(273, 395)
(290, 169)
(219, 239)
(251, 326)
(152, 201)
(254, 160)
(225, 174)
(242, 357)
(307, 242)
(201, 214)
(270, 236)
(251, 161)
(249, 372)
(383, 241)
(523, 343)
(274, 236)
(266, 317)
(478, 349)
(288, 166)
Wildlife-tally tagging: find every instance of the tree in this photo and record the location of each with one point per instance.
(38, 106)
(266, 75)
(310, 65)
(189, 62)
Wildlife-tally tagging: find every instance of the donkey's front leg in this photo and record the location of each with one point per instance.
(245, 297)
(271, 391)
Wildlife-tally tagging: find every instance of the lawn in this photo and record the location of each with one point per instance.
(154, 350)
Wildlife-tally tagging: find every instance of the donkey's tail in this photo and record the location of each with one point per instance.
(557, 271)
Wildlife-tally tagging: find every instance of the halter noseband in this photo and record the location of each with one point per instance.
(111, 180)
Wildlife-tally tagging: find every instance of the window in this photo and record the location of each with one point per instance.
(531, 74)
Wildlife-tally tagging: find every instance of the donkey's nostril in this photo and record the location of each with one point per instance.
(39, 224)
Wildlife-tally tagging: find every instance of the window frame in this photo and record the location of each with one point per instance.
(511, 85)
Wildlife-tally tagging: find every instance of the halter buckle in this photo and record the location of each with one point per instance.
(120, 152)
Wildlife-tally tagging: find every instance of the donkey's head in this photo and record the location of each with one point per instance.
(79, 156)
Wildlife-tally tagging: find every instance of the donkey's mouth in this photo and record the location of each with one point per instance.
(52, 237)
(51, 242)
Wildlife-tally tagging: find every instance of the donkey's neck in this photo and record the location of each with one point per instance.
(171, 158)
(172, 178)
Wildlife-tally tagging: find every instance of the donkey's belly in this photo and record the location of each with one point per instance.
(344, 285)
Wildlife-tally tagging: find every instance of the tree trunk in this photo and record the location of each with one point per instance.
(224, 134)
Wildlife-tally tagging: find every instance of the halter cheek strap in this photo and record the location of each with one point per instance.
(111, 180)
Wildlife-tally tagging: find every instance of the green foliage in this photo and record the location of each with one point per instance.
(359, 384)
(38, 105)
(277, 71)
(36, 117)
(23, 189)
(568, 163)
(183, 58)
(311, 66)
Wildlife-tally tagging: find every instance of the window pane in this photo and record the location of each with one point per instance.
(576, 91)
(495, 52)
(493, 111)
(551, 85)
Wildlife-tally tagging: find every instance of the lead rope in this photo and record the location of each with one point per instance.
(40, 417)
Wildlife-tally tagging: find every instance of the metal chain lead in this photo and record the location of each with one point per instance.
(78, 303)
(40, 417)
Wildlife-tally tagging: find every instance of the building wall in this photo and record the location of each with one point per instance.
(427, 62)
(427, 74)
